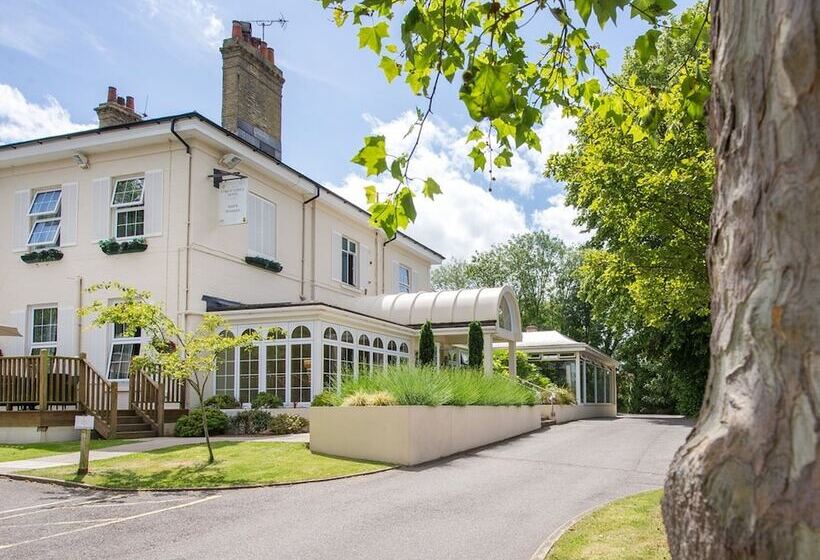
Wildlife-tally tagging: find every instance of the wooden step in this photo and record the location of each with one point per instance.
(136, 434)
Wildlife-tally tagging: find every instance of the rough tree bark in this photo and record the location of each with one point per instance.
(746, 484)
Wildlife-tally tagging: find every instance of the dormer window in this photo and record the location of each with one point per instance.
(44, 212)
(127, 202)
(404, 279)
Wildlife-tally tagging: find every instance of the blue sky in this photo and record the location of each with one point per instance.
(58, 58)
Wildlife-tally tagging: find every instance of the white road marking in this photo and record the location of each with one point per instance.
(107, 523)
(41, 505)
(59, 523)
(91, 501)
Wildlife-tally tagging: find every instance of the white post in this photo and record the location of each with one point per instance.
(513, 363)
(578, 378)
(488, 353)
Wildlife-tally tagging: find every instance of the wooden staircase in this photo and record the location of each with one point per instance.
(131, 425)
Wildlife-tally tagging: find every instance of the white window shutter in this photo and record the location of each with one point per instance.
(336, 257)
(414, 282)
(67, 332)
(101, 209)
(255, 236)
(97, 349)
(16, 345)
(269, 229)
(364, 268)
(68, 214)
(396, 273)
(20, 221)
(154, 207)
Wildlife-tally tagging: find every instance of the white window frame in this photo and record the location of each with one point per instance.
(139, 202)
(121, 341)
(48, 344)
(56, 211)
(124, 210)
(354, 255)
(404, 288)
(125, 207)
(53, 241)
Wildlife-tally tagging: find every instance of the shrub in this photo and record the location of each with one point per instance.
(475, 345)
(190, 425)
(411, 385)
(427, 345)
(287, 424)
(327, 398)
(360, 398)
(266, 400)
(250, 422)
(222, 401)
(524, 368)
(557, 395)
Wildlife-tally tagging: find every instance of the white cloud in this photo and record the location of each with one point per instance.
(466, 217)
(26, 34)
(558, 219)
(187, 21)
(21, 119)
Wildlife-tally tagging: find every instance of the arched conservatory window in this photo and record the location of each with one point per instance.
(392, 358)
(330, 333)
(364, 355)
(300, 332)
(505, 315)
(277, 333)
(404, 350)
(347, 337)
(301, 367)
(276, 369)
(378, 353)
(330, 361)
(225, 366)
(248, 371)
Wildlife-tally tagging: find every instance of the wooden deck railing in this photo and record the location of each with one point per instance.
(98, 397)
(146, 397)
(19, 381)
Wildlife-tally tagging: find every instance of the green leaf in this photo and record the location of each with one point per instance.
(371, 37)
(489, 92)
(475, 134)
(371, 195)
(396, 170)
(390, 68)
(584, 8)
(431, 188)
(478, 157)
(646, 45)
(373, 156)
(406, 207)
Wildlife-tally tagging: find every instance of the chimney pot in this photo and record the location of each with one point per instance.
(112, 94)
(129, 102)
(270, 55)
(236, 30)
(120, 100)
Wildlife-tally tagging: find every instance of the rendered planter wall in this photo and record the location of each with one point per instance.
(409, 435)
(563, 413)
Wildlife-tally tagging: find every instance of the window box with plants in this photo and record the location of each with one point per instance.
(44, 255)
(114, 247)
(261, 262)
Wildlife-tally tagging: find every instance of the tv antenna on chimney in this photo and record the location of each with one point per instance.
(263, 23)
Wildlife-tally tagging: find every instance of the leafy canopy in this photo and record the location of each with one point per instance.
(507, 77)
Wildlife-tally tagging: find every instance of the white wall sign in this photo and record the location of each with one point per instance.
(233, 202)
(84, 422)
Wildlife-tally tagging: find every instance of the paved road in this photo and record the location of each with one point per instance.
(497, 503)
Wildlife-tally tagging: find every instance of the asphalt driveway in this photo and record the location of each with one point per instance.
(499, 502)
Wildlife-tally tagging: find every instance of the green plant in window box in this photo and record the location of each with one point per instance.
(114, 247)
(45, 255)
(273, 266)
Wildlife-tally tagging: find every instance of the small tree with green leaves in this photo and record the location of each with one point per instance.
(189, 356)
(427, 345)
(475, 345)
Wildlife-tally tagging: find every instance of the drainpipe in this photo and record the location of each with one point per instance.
(313, 242)
(79, 319)
(187, 231)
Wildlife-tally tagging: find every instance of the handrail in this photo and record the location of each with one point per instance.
(146, 397)
(98, 396)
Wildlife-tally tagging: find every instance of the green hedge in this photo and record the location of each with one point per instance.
(190, 425)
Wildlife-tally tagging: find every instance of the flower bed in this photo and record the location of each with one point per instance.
(46, 255)
(114, 247)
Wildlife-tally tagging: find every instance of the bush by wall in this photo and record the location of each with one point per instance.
(475, 345)
(287, 424)
(327, 398)
(428, 386)
(557, 395)
(222, 401)
(266, 400)
(427, 345)
(250, 422)
(190, 425)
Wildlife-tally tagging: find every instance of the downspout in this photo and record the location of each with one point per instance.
(79, 319)
(384, 261)
(302, 274)
(187, 229)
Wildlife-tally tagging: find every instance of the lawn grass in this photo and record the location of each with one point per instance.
(237, 464)
(627, 529)
(21, 451)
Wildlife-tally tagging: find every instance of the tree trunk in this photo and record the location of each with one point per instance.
(746, 484)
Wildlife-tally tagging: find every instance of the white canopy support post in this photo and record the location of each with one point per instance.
(513, 364)
(488, 354)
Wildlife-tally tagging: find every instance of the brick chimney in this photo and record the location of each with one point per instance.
(116, 110)
(251, 90)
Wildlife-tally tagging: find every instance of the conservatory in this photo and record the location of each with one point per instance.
(306, 348)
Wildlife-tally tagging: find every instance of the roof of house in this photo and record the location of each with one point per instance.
(320, 189)
(554, 341)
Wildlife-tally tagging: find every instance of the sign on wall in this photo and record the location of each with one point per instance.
(233, 202)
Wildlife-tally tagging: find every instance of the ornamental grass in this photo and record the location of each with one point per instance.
(428, 386)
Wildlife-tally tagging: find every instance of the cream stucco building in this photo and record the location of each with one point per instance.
(269, 248)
